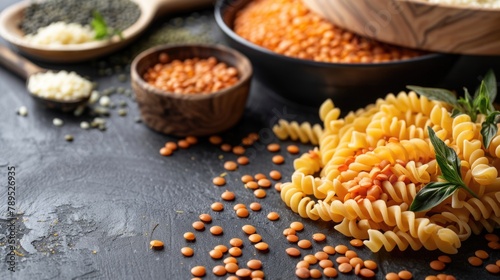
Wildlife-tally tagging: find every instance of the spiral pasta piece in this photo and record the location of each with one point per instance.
(371, 164)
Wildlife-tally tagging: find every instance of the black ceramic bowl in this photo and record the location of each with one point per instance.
(349, 85)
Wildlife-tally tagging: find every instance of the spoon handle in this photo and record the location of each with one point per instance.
(17, 64)
(173, 6)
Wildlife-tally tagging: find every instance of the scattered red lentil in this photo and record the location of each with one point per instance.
(370, 264)
(495, 245)
(289, 231)
(356, 242)
(171, 145)
(392, 276)
(320, 255)
(264, 183)
(216, 230)
(198, 225)
(278, 159)
(350, 254)
(215, 140)
(255, 238)
(405, 274)
(345, 267)
(243, 272)
(217, 206)
(238, 150)
(315, 273)
(219, 270)
(293, 149)
(243, 160)
(292, 238)
(205, 218)
(341, 249)
(236, 242)
(166, 151)
(302, 273)
(219, 181)
(156, 244)
(325, 263)
(189, 236)
(437, 265)
(183, 144)
(231, 267)
(482, 254)
(259, 176)
(187, 251)
(319, 237)
(261, 246)
(293, 252)
(493, 268)
(230, 260)
(297, 226)
(242, 213)
(230, 165)
(255, 206)
(254, 264)
(275, 175)
(222, 248)
(246, 178)
(304, 244)
(257, 274)
(355, 262)
(273, 216)
(311, 259)
(274, 147)
(235, 251)
(491, 237)
(239, 206)
(444, 258)
(367, 273)
(342, 259)
(259, 193)
(277, 186)
(249, 229)
(330, 272)
(198, 271)
(330, 250)
(475, 261)
(252, 185)
(215, 254)
(228, 195)
(226, 147)
(302, 263)
(191, 140)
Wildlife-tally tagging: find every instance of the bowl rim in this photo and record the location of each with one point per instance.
(221, 6)
(243, 78)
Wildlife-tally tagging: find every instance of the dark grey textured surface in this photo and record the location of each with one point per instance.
(86, 208)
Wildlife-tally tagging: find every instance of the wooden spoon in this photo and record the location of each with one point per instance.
(25, 69)
(12, 16)
(459, 29)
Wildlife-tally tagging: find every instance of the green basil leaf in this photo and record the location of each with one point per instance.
(489, 128)
(490, 83)
(438, 94)
(432, 195)
(447, 159)
(482, 103)
(99, 25)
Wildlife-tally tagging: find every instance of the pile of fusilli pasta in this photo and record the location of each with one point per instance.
(372, 163)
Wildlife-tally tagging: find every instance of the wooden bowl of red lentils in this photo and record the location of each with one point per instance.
(303, 57)
(191, 89)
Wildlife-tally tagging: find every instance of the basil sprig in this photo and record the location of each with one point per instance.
(436, 192)
(481, 103)
(101, 28)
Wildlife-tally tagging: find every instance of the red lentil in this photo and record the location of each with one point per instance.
(205, 218)
(198, 225)
(252, 185)
(315, 273)
(242, 213)
(217, 206)
(230, 165)
(302, 263)
(341, 249)
(355, 261)
(311, 259)
(231, 267)
(216, 230)
(437, 265)
(492, 237)
(236, 242)
(392, 276)
(243, 272)
(302, 273)
(342, 259)
(243, 160)
(222, 248)
(183, 144)
(259, 193)
(444, 258)
(293, 149)
(259, 176)
(187, 251)
(249, 229)
(293, 252)
(254, 264)
(171, 145)
(156, 244)
(495, 245)
(475, 261)
(238, 150)
(254, 238)
(264, 183)
(191, 76)
(366, 272)
(370, 264)
(191, 140)
(320, 255)
(198, 271)
(215, 140)
(304, 244)
(319, 237)
(219, 181)
(330, 250)
(215, 254)
(226, 147)
(277, 187)
(292, 238)
(330, 272)
(219, 270)
(255, 206)
(493, 268)
(297, 226)
(289, 231)
(239, 206)
(345, 267)
(166, 152)
(273, 147)
(275, 175)
(257, 274)
(278, 159)
(356, 242)
(350, 254)
(230, 260)
(261, 246)
(228, 195)
(405, 274)
(325, 263)
(273, 216)
(482, 254)
(189, 236)
(246, 178)
(235, 251)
